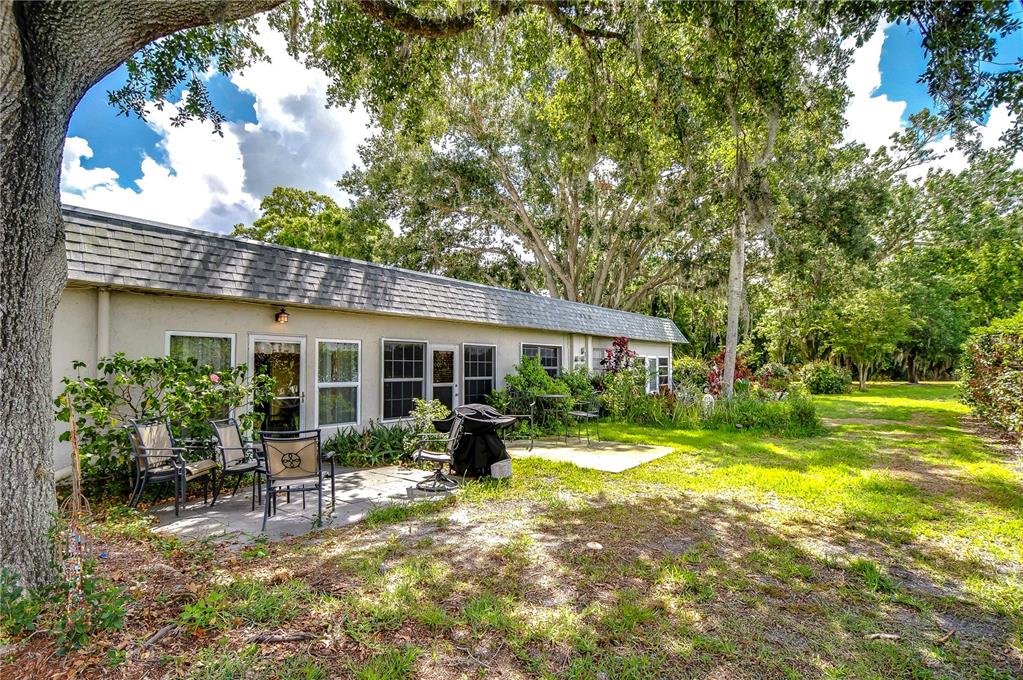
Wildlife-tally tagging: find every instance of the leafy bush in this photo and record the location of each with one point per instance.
(98, 606)
(991, 371)
(774, 376)
(152, 387)
(716, 373)
(530, 378)
(377, 445)
(625, 397)
(691, 372)
(822, 377)
(579, 383)
(795, 414)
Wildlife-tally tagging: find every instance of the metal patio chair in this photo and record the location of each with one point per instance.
(427, 449)
(159, 459)
(585, 412)
(237, 459)
(292, 463)
(523, 408)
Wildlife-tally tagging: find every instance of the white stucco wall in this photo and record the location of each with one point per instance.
(139, 323)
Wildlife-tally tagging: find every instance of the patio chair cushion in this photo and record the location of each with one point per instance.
(161, 470)
(434, 457)
(242, 466)
(199, 468)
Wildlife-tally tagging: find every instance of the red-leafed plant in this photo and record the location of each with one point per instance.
(618, 357)
(715, 376)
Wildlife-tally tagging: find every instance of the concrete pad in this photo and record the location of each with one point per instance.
(604, 456)
(358, 492)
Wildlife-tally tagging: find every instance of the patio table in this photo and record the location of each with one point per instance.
(556, 404)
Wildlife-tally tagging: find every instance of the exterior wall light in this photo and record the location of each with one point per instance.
(281, 316)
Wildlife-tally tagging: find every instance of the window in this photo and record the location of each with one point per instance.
(658, 372)
(404, 376)
(208, 349)
(337, 382)
(549, 356)
(663, 373)
(478, 368)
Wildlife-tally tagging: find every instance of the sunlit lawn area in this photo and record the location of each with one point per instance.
(889, 547)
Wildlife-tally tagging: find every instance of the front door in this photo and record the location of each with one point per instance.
(283, 359)
(444, 375)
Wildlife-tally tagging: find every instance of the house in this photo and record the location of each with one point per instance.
(348, 341)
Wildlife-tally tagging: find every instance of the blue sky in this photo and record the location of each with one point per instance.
(280, 133)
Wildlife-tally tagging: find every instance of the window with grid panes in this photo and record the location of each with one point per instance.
(404, 377)
(549, 356)
(479, 371)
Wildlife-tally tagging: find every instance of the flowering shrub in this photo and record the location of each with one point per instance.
(991, 371)
(822, 377)
(188, 394)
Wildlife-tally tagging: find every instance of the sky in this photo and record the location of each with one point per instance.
(280, 133)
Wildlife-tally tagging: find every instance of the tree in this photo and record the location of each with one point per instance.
(550, 157)
(866, 326)
(312, 221)
(52, 54)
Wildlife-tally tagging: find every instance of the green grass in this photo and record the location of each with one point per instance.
(738, 554)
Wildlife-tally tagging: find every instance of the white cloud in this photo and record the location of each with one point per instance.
(213, 182)
(872, 120)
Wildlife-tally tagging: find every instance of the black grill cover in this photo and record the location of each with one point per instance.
(479, 446)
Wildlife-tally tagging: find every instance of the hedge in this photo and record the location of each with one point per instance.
(991, 371)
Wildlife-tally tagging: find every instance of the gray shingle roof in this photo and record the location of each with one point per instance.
(111, 250)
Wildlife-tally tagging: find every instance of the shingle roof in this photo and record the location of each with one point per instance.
(111, 250)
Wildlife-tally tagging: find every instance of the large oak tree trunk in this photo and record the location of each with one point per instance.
(52, 53)
(736, 279)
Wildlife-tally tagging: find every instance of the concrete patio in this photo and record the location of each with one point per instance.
(604, 456)
(358, 492)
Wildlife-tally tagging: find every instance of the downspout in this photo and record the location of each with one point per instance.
(102, 323)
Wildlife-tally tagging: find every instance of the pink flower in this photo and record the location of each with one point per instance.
(214, 378)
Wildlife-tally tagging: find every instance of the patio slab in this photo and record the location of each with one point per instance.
(604, 456)
(358, 491)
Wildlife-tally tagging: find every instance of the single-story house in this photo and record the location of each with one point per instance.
(348, 341)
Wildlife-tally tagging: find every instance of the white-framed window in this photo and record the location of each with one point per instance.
(403, 376)
(549, 356)
(338, 382)
(479, 372)
(208, 349)
(658, 372)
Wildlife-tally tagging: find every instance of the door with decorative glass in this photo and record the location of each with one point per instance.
(283, 359)
(444, 374)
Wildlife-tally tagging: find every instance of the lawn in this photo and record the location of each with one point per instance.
(891, 546)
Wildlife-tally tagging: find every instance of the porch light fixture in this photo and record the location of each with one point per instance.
(281, 316)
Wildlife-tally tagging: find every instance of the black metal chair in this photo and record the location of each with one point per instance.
(523, 408)
(237, 459)
(427, 446)
(292, 463)
(585, 412)
(159, 459)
